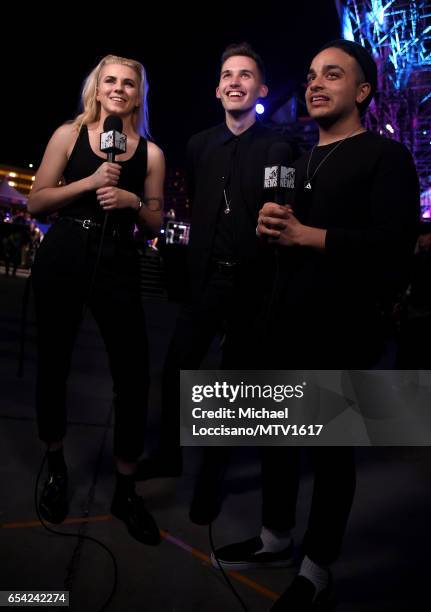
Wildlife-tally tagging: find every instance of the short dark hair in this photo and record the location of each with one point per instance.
(245, 49)
(365, 62)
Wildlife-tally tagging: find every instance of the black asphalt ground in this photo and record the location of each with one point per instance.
(384, 567)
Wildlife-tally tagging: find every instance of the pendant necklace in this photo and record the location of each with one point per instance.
(307, 183)
(226, 203)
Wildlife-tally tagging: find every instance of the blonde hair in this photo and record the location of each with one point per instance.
(91, 106)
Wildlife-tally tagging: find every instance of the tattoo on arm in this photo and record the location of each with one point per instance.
(153, 204)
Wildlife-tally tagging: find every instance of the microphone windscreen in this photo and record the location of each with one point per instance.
(113, 122)
(279, 154)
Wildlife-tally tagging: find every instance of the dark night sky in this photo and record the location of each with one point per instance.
(180, 51)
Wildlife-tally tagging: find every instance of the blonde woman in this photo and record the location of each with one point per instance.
(88, 258)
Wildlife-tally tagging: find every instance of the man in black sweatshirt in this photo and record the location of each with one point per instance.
(345, 245)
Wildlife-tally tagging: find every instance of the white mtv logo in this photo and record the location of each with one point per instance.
(287, 177)
(271, 176)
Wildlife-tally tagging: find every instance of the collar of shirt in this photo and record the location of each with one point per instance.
(224, 135)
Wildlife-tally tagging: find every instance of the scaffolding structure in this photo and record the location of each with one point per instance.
(398, 34)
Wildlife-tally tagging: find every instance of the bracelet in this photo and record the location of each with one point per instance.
(140, 205)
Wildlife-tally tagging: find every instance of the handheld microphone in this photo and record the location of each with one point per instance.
(112, 140)
(279, 179)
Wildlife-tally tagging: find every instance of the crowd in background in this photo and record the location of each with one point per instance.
(20, 238)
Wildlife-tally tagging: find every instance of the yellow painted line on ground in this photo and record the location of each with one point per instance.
(68, 521)
(236, 575)
(166, 536)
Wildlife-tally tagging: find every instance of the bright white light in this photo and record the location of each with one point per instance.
(30, 165)
(389, 128)
(260, 109)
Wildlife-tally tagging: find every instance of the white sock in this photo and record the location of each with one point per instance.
(274, 541)
(316, 574)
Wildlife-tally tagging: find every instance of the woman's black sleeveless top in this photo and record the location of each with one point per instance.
(83, 162)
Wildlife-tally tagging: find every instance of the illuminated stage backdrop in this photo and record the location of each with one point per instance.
(398, 33)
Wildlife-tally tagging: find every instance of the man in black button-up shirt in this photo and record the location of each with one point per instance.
(226, 185)
(225, 179)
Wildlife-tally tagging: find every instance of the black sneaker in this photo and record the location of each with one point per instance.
(301, 597)
(54, 504)
(131, 509)
(160, 464)
(246, 555)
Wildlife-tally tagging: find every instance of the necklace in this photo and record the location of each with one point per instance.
(307, 184)
(226, 203)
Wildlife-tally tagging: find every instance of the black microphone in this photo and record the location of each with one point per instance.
(112, 140)
(279, 179)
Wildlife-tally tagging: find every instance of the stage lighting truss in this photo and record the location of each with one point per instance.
(398, 33)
